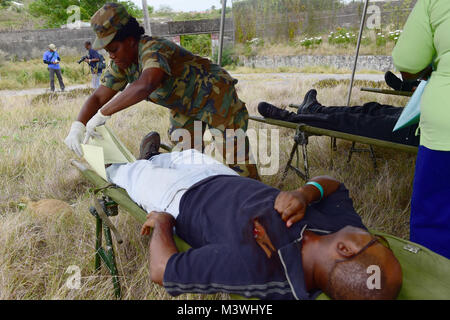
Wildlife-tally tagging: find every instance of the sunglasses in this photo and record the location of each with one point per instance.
(376, 239)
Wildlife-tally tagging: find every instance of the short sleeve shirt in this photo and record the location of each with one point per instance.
(51, 57)
(426, 38)
(93, 54)
(225, 256)
(192, 83)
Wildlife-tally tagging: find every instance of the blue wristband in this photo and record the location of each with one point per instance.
(318, 186)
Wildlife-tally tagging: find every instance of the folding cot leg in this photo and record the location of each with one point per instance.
(109, 259)
(98, 242)
(333, 148)
(373, 157)
(300, 138)
(106, 255)
(334, 144)
(350, 153)
(288, 165)
(370, 150)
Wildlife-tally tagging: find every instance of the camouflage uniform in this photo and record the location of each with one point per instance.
(194, 90)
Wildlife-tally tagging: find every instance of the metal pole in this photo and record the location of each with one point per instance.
(147, 26)
(361, 28)
(222, 28)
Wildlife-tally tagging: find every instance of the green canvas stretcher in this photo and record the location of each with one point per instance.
(301, 138)
(426, 275)
(388, 92)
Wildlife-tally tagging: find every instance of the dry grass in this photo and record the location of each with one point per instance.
(309, 69)
(36, 251)
(16, 75)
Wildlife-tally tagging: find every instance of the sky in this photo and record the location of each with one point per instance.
(184, 5)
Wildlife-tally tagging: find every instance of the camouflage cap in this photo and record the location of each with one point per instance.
(106, 22)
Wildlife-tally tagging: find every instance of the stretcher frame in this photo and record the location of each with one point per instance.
(106, 207)
(113, 196)
(301, 139)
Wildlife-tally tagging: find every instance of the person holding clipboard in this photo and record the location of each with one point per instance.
(426, 35)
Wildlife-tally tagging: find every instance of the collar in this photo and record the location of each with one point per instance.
(291, 259)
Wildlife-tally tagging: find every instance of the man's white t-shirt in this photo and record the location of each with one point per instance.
(159, 183)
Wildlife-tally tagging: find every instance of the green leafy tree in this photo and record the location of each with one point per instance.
(198, 44)
(5, 3)
(55, 11)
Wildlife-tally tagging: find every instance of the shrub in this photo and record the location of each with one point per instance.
(342, 36)
(381, 39)
(311, 42)
(228, 57)
(198, 44)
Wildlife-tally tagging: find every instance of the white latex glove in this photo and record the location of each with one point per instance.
(97, 120)
(76, 134)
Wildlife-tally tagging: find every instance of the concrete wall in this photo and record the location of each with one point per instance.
(32, 44)
(380, 63)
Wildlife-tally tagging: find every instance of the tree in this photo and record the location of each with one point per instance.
(55, 11)
(5, 3)
(164, 9)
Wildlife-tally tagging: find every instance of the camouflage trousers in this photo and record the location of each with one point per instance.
(235, 121)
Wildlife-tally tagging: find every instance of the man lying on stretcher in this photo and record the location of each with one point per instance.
(372, 120)
(251, 239)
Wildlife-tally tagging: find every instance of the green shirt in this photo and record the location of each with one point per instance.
(194, 85)
(426, 36)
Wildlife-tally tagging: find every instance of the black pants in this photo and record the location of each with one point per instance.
(52, 78)
(371, 120)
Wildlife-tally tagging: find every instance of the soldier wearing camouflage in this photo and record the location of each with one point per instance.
(193, 88)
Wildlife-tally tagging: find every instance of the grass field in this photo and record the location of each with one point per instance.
(35, 251)
(17, 75)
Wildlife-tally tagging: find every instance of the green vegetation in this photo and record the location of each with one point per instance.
(283, 19)
(15, 75)
(229, 59)
(339, 42)
(16, 18)
(198, 44)
(302, 23)
(210, 14)
(5, 3)
(56, 14)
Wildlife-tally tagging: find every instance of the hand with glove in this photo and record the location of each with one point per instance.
(97, 120)
(76, 134)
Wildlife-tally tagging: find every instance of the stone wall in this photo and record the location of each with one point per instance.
(33, 43)
(380, 63)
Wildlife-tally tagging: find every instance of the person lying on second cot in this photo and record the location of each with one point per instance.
(372, 120)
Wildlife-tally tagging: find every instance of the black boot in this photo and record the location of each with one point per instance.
(309, 102)
(397, 84)
(270, 111)
(393, 81)
(149, 146)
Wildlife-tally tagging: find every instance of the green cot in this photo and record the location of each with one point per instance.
(426, 275)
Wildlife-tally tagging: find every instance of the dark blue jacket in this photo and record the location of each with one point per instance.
(216, 219)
